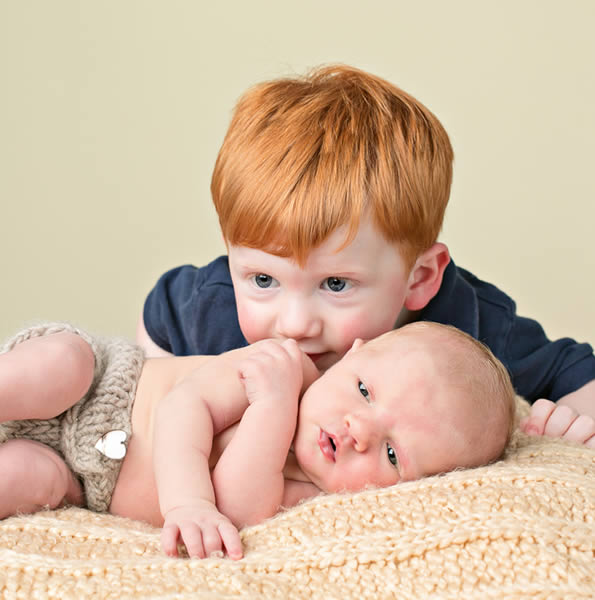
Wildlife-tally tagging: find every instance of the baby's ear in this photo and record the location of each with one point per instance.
(357, 343)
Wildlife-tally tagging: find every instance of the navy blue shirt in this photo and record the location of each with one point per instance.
(193, 311)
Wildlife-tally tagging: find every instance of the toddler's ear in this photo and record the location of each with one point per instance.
(425, 278)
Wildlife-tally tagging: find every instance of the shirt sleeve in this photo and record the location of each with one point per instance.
(538, 366)
(542, 368)
(170, 309)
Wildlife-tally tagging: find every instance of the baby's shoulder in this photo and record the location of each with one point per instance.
(297, 486)
(295, 491)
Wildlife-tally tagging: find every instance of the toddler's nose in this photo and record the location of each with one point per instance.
(298, 320)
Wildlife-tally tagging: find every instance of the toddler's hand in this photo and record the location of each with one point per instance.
(202, 529)
(273, 372)
(548, 418)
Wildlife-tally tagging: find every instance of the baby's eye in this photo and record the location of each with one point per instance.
(336, 284)
(392, 456)
(262, 280)
(363, 390)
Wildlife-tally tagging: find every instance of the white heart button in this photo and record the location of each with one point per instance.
(112, 444)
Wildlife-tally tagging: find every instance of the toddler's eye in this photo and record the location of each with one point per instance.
(392, 456)
(363, 390)
(335, 284)
(262, 280)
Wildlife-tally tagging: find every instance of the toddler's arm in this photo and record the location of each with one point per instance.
(582, 400)
(248, 478)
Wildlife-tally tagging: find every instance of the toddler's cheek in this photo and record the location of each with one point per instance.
(252, 327)
(361, 327)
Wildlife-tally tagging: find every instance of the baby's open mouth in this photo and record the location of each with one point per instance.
(327, 445)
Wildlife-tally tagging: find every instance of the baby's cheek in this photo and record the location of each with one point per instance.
(362, 475)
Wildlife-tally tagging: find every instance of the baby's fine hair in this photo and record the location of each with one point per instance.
(304, 156)
(472, 369)
(486, 379)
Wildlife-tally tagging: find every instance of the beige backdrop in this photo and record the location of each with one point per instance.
(112, 112)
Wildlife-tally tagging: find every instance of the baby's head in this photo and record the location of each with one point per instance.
(305, 156)
(417, 401)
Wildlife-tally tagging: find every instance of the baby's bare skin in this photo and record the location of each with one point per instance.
(135, 493)
(187, 417)
(201, 424)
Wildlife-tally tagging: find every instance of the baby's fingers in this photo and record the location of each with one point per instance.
(294, 352)
(169, 539)
(231, 540)
(209, 540)
(193, 539)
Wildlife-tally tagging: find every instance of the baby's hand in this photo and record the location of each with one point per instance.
(202, 529)
(548, 418)
(273, 371)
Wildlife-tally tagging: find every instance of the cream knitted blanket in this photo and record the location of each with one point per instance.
(521, 528)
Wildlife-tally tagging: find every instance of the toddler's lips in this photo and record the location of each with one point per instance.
(314, 356)
(327, 446)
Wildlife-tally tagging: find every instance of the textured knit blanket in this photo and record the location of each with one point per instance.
(521, 528)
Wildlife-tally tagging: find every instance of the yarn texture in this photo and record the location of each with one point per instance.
(523, 527)
(105, 407)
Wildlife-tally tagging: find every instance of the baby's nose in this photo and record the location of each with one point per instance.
(360, 430)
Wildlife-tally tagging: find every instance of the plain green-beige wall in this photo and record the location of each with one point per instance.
(112, 113)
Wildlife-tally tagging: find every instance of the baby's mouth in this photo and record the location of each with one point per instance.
(327, 445)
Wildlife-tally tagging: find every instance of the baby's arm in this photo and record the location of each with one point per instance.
(248, 478)
(197, 408)
(571, 418)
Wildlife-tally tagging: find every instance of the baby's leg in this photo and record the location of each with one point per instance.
(33, 476)
(44, 376)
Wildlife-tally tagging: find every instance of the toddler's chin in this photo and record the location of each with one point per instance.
(325, 361)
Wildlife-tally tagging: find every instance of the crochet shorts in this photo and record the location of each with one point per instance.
(107, 406)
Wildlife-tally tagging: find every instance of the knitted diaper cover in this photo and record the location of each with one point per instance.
(107, 406)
